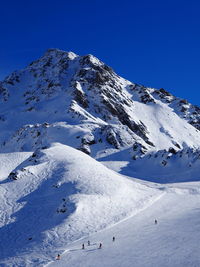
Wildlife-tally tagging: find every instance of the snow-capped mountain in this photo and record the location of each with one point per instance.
(53, 196)
(81, 102)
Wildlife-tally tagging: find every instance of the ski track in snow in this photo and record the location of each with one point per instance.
(124, 207)
(174, 241)
(29, 204)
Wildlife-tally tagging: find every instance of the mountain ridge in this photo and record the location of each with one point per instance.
(82, 102)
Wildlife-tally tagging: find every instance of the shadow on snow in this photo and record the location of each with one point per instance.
(38, 215)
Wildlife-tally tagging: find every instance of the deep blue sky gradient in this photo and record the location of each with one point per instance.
(151, 42)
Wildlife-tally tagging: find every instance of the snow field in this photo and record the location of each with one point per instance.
(174, 241)
(63, 195)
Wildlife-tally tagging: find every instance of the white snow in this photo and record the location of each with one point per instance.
(62, 179)
(139, 242)
(9, 161)
(56, 197)
(99, 204)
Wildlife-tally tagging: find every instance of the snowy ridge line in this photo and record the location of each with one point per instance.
(162, 166)
(81, 102)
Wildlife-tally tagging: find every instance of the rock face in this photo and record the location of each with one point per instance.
(82, 102)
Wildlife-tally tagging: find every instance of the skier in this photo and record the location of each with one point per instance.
(113, 239)
(88, 242)
(156, 221)
(83, 246)
(58, 257)
(100, 245)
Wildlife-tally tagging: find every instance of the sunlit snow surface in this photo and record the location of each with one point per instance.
(61, 195)
(143, 165)
(33, 232)
(174, 241)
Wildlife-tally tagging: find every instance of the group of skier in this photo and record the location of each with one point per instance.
(100, 244)
(83, 247)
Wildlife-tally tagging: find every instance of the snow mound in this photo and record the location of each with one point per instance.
(59, 195)
(9, 161)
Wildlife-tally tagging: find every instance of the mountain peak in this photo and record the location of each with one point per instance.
(90, 59)
(57, 52)
(64, 87)
(52, 57)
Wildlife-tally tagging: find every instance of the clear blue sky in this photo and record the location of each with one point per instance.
(151, 42)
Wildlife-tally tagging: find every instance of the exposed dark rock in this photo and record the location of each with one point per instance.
(147, 98)
(80, 97)
(111, 136)
(88, 140)
(184, 101)
(177, 145)
(138, 150)
(85, 149)
(164, 162)
(164, 92)
(13, 176)
(172, 150)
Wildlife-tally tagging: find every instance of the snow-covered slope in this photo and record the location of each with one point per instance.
(9, 161)
(163, 166)
(59, 195)
(52, 194)
(139, 242)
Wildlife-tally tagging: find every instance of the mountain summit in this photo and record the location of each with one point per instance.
(81, 102)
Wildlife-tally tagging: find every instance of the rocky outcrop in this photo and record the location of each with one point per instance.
(84, 94)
